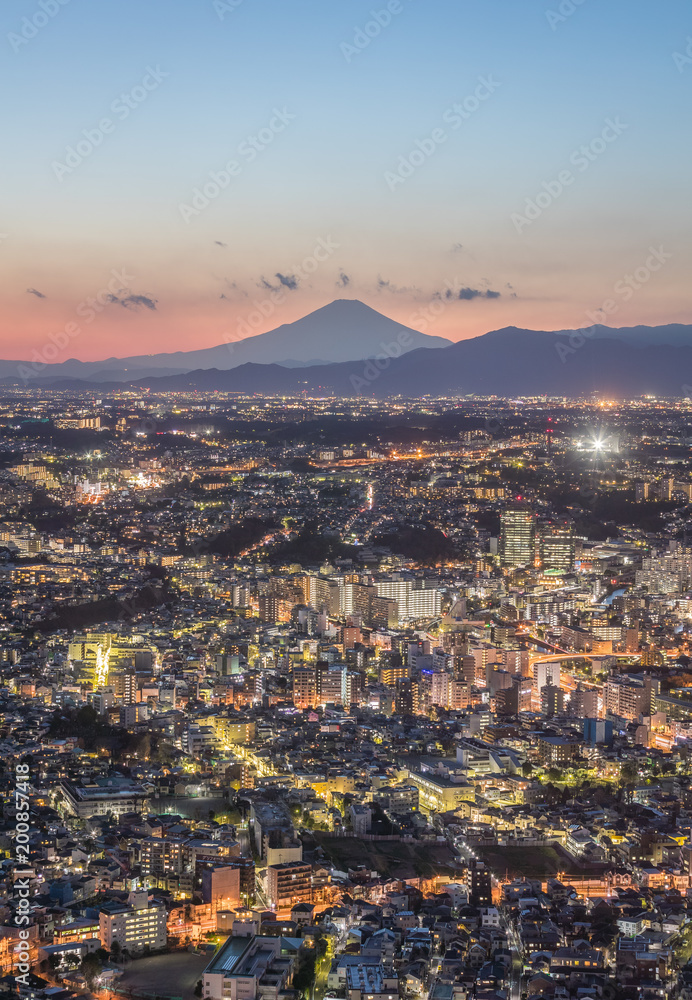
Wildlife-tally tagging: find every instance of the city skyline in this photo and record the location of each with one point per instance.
(345, 500)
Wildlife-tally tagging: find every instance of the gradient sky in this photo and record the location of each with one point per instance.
(192, 282)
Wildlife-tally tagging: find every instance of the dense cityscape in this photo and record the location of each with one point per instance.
(360, 699)
(346, 500)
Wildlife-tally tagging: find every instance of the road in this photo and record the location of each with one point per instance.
(466, 853)
(319, 987)
(517, 962)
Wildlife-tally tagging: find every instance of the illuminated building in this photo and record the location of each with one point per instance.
(517, 537)
(557, 548)
(288, 883)
(134, 925)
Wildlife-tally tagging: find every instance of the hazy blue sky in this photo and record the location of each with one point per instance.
(341, 128)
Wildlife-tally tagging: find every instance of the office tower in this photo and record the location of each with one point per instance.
(556, 547)
(517, 537)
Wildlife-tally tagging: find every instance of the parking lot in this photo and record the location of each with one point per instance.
(167, 975)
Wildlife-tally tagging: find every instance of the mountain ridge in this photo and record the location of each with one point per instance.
(328, 327)
(507, 362)
(343, 330)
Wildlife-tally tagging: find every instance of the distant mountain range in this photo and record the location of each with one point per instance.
(619, 363)
(344, 330)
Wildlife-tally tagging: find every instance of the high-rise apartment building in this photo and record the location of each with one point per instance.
(479, 884)
(134, 925)
(552, 700)
(413, 599)
(289, 883)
